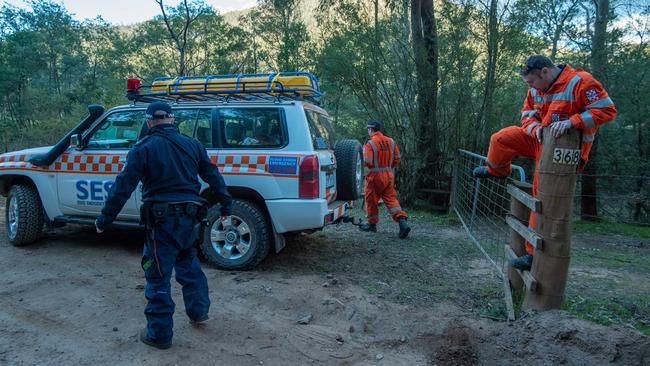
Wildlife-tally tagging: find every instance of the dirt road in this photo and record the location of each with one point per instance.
(76, 298)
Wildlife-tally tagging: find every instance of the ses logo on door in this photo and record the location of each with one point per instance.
(93, 192)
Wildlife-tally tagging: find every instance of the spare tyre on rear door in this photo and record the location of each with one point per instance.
(349, 169)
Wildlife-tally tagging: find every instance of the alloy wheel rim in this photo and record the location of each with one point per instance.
(231, 242)
(12, 219)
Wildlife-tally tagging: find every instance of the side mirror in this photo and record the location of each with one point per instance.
(75, 141)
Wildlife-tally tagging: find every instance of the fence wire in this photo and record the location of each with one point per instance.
(619, 198)
(482, 205)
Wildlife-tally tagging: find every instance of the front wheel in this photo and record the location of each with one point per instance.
(23, 215)
(241, 245)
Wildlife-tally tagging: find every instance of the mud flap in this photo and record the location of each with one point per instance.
(279, 240)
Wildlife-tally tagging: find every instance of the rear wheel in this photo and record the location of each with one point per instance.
(23, 215)
(241, 245)
(349, 171)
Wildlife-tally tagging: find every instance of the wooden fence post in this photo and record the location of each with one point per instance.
(521, 212)
(556, 186)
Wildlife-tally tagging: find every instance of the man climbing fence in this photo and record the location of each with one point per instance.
(560, 97)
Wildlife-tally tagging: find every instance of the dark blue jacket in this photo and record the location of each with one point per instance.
(167, 171)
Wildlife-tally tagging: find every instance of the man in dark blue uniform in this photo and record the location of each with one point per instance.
(168, 164)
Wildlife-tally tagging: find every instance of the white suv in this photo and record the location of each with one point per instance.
(272, 147)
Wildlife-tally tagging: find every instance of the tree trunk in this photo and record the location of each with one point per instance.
(485, 116)
(589, 202)
(425, 50)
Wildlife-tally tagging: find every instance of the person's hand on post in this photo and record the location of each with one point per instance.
(559, 128)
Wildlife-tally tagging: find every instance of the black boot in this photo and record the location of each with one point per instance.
(150, 342)
(200, 320)
(483, 172)
(522, 263)
(368, 227)
(404, 228)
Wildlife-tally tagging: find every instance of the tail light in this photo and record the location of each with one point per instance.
(308, 181)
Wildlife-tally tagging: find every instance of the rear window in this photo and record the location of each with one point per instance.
(320, 127)
(252, 128)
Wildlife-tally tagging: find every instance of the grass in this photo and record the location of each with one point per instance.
(612, 258)
(608, 227)
(608, 280)
(610, 311)
(438, 263)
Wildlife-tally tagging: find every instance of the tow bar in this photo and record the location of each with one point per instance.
(347, 219)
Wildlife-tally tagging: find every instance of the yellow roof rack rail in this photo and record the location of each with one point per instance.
(272, 87)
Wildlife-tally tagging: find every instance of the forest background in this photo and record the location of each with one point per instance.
(440, 74)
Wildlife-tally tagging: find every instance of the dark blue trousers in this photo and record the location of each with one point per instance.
(171, 245)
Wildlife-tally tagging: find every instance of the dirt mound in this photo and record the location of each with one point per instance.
(457, 346)
(554, 337)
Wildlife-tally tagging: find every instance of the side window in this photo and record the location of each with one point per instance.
(204, 130)
(119, 130)
(185, 120)
(325, 124)
(252, 127)
(319, 134)
(190, 120)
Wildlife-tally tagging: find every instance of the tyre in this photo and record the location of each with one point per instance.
(349, 171)
(23, 215)
(241, 245)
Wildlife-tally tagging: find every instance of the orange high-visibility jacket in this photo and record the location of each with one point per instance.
(380, 153)
(575, 95)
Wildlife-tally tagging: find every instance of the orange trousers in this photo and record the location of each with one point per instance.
(381, 185)
(506, 144)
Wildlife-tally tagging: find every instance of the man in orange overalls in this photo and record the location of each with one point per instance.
(380, 156)
(560, 97)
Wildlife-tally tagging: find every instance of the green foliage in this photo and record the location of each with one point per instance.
(52, 66)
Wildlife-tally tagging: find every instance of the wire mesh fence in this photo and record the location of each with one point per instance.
(618, 198)
(482, 205)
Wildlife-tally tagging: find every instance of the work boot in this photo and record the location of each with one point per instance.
(404, 228)
(368, 227)
(522, 263)
(200, 320)
(483, 172)
(150, 342)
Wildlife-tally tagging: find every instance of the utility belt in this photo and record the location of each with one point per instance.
(154, 213)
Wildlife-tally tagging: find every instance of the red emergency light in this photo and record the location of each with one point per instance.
(132, 88)
(132, 84)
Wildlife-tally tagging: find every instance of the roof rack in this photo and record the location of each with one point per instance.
(272, 87)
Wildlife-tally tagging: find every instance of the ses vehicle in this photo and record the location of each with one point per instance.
(274, 145)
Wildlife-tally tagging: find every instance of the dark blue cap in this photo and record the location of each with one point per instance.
(159, 107)
(374, 124)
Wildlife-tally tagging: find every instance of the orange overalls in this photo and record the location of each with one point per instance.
(575, 95)
(380, 156)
